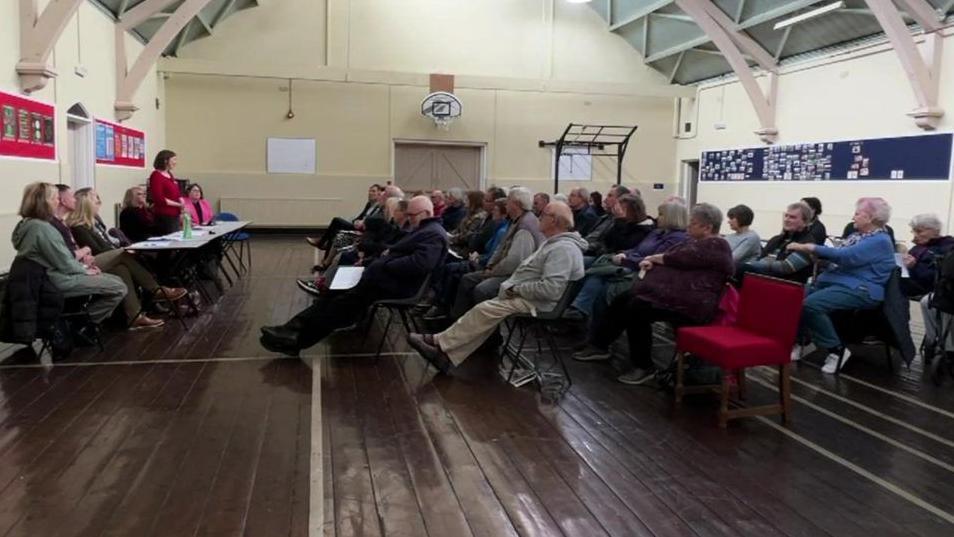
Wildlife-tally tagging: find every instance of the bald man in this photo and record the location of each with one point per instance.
(398, 273)
(537, 285)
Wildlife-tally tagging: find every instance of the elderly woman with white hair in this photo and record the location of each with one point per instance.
(923, 259)
(861, 266)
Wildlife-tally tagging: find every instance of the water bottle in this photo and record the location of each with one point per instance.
(186, 225)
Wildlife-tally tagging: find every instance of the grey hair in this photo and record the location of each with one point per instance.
(393, 191)
(807, 213)
(620, 190)
(877, 208)
(673, 216)
(457, 193)
(707, 214)
(559, 197)
(523, 196)
(926, 221)
(582, 191)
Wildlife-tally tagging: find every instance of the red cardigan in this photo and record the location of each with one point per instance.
(160, 189)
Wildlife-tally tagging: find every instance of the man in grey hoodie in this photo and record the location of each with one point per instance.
(523, 238)
(536, 285)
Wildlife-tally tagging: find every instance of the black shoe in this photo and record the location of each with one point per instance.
(927, 352)
(309, 287)
(434, 355)
(280, 346)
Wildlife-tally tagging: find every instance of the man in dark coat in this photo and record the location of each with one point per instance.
(584, 217)
(398, 273)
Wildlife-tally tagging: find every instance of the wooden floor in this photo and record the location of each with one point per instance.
(203, 433)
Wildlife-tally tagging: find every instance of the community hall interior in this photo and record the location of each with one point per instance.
(476, 268)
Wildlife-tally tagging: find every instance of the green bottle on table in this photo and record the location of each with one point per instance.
(186, 225)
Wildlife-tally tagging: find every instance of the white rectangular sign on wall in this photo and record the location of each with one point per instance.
(292, 155)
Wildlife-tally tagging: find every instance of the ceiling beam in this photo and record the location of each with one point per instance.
(225, 11)
(763, 104)
(638, 14)
(746, 43)
(924, 13)
(129, 80)
(39, 32)
(675, 68)
(142, 12)
(783, 42)
(754, 20)
(123, 6)
(923, 73)
(738, 11)
(204, 22)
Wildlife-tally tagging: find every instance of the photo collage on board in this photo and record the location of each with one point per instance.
(26, 127)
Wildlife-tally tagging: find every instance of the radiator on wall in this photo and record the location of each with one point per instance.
(279, 212)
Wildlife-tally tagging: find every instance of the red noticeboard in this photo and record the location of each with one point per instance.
(27, 128)
(119, 146)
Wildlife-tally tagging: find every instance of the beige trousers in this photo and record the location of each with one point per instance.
(470, 331)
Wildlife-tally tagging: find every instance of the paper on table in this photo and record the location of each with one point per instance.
(899, 260)
(346, 278)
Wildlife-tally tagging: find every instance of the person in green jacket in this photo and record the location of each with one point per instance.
(37, 240)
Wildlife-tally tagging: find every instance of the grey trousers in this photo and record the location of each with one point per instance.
(931, 328)
(108, 289)
(474, 288)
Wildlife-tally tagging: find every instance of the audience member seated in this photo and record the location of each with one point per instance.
(540, 201)
(682, 286)
(745, 243)
(479, 240)
(116, 261)
(596, 202)
(456, 209)
(536, 285)
(164, 191)
(343, 238)
(36, 239)
(199, 210)
(850, 228)
(136, 220)
(596, 295)
(445, 290)
(630, 227)
(605, 221)
(373, 206)
(816, 227)
(861, 266)
(471, 224)
(522, 239)
(440, 203)
(584, 217)
(923, 260)
(398, 273)
(776, 259)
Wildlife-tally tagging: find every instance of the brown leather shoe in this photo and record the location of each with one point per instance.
(144, 321)
(169, 293)
(312, 241)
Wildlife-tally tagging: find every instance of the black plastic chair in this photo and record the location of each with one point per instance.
(543, 326)
(404, 307)
(75, 317)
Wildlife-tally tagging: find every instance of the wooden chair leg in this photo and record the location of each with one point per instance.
(680, 365)
(785, 392)
(724, 403)
(740, 382)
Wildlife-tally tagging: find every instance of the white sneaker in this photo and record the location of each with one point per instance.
(802, 350)
(831, 362)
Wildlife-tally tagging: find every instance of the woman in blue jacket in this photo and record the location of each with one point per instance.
(860, 268)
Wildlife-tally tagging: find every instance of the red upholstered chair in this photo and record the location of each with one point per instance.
(769, 312)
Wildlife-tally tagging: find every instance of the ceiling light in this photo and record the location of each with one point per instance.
(827, 8)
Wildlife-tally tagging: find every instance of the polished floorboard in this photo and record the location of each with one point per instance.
(201, 432)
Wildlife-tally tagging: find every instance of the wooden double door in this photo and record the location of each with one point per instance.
(432, 166)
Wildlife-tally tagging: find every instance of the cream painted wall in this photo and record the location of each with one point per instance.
(525, 69)
(857, 94)
(87, 41)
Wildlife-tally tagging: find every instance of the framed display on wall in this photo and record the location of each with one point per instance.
(27, 128)
(117, 145)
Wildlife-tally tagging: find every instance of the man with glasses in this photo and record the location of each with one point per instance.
(398, 273)
(536, 285)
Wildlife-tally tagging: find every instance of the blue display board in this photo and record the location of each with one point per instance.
(923, 157)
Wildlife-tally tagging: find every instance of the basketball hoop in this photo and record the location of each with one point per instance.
(442, 107)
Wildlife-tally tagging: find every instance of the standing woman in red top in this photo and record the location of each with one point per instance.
(166, 198)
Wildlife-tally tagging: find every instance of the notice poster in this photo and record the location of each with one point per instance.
(27, 128)
(119, 146)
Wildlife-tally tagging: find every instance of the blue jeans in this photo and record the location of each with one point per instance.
(594, 287)
(821, 301)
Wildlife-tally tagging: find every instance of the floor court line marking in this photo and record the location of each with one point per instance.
(916, 452)
(887, 485)
(892, 393)
(223, 359)
(316, 504)
(878, 414)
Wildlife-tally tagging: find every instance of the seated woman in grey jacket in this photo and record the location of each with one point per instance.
(112, 260)
(37, 240)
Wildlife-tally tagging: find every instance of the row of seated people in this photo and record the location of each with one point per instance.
(62, 240)
(650, 261)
